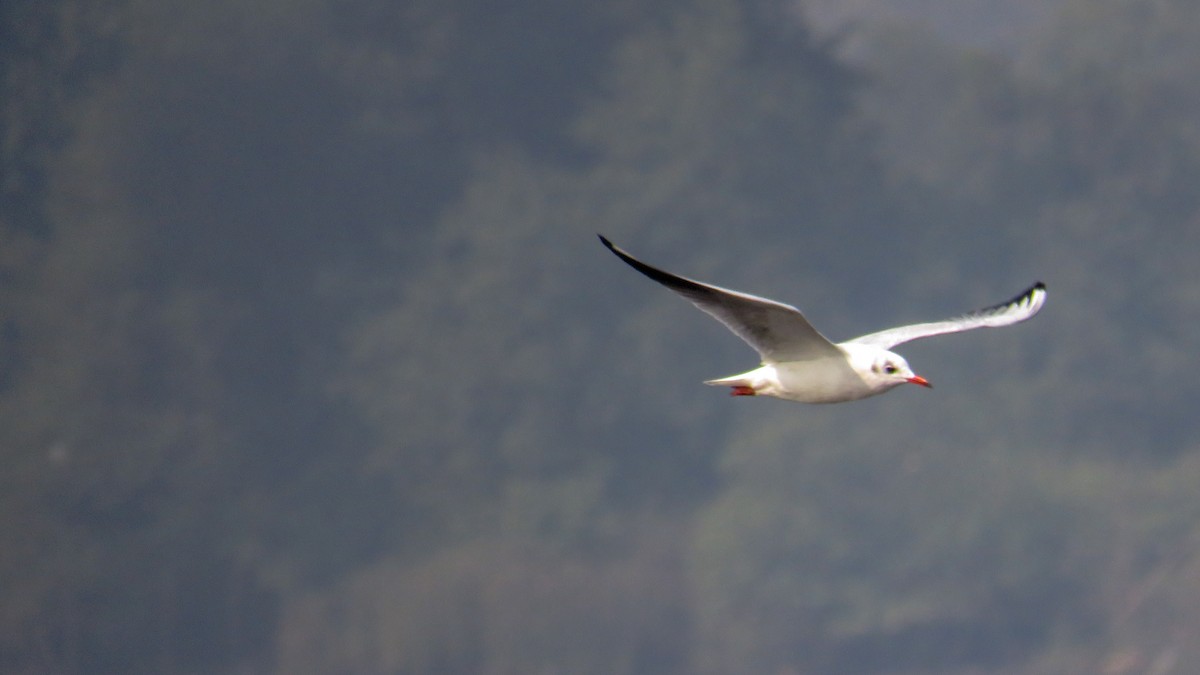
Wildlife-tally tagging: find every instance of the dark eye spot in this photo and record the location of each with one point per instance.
(890, 369)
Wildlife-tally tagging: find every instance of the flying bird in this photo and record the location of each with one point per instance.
(800, 364)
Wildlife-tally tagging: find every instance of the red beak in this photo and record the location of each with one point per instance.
(917, 379)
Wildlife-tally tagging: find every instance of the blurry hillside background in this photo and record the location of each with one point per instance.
(310, 361)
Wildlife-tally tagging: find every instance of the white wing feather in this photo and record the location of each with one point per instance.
(1020, 308)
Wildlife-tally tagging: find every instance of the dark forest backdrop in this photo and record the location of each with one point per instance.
(310, 361)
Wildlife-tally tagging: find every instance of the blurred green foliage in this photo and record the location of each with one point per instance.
(310, 361)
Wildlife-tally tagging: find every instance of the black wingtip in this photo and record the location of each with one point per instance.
(1027, 294)
(622, 254)
(675, 283)
(1022, 297)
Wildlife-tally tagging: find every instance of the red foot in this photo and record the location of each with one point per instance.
(742, 390)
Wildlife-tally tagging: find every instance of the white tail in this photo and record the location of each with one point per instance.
(732, 381)
(743, 385)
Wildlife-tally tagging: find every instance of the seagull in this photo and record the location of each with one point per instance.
(800, 364)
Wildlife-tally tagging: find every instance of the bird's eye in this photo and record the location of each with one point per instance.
(890, 369)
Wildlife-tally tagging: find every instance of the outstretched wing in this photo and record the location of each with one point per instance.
(778, 332)
(1020, 308)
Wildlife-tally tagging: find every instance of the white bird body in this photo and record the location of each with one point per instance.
(800, 364)
(831, 379)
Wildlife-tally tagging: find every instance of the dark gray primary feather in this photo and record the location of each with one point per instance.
(778, 332)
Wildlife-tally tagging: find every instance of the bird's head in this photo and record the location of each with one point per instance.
(892, 369)
(883, 369)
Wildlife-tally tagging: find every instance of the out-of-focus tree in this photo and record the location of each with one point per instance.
(309, 356)
(502, 404)
(1073, 167)
(482, 343)
(869, 556)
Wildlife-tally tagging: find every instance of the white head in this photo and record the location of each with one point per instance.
(881, 369)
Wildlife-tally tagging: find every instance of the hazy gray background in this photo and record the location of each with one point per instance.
(310, 361)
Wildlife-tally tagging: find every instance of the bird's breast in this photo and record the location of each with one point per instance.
(820, 381)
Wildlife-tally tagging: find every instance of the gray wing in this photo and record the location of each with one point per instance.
(778, 332)
(1020, 308)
